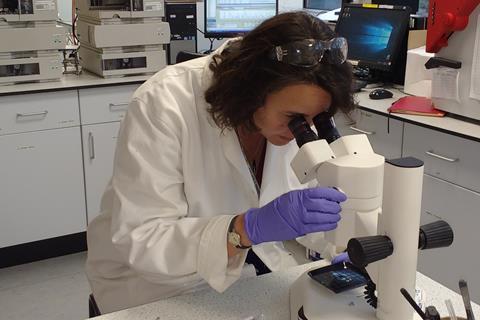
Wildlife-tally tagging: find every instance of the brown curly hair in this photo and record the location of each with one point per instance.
(244, 73)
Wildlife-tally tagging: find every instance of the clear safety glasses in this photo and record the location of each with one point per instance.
(309, 52)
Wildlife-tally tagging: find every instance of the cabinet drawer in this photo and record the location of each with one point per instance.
(98, 105)
(385, 137)
(38, 111)
(459, 207)
(447, 157)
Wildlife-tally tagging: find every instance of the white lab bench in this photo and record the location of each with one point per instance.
(267, 294)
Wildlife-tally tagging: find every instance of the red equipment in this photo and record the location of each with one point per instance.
(445, 17)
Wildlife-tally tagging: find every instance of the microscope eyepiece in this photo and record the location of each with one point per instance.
(325, 126)
(301, 131)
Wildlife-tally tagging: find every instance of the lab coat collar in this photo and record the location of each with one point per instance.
(228, 137)
(234, 154)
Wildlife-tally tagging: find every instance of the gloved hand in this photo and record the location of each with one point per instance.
(342, 257)
(294, 214)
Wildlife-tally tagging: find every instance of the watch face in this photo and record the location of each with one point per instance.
(234, 238)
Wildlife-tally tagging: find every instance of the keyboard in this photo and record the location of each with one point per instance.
(358, 84)
(315, 12)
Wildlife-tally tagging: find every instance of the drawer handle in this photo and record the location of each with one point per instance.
(118, 106)
(43, 114)
(368, 133)
(91, 146)
(433, 154)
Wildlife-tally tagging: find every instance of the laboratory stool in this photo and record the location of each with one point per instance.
(93, 310)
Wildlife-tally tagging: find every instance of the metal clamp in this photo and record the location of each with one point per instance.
(369, 133)
(432, 154)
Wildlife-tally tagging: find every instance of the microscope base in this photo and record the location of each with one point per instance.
(320, 303)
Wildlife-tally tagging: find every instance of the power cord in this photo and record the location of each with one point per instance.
(212, 40)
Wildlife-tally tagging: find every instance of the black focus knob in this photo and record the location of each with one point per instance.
(437, 234)
(365, 250)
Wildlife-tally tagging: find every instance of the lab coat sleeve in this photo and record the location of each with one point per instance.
(150, 227)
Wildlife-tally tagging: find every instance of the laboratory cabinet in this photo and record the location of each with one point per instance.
(450, 193)
(101, 111)
(41, 189)
(446, 156)
(99, 141)
(460, 208)
(385, 135)
(106, 104)
(38, 111)
(41, 185)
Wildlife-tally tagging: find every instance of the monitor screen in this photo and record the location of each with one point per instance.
(230, 18)
(375, 35)
(322, 4)
(413, 4)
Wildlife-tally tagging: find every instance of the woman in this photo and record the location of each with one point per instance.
(202, 165)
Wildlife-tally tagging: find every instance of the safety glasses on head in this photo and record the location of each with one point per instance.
(309, 52)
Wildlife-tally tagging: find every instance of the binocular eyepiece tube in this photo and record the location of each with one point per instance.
(324, 124)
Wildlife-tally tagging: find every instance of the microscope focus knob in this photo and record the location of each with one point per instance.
(365, 250)
(437, 234)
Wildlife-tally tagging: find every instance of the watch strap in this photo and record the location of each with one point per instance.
(231, 229)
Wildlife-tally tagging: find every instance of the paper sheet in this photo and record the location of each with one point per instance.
(475, 81)
(445, 83)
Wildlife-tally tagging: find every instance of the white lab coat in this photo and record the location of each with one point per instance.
(177, 181)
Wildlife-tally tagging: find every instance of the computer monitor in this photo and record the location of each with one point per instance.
(413, 4)
(326, 5)
(376, 35)
(230, 18)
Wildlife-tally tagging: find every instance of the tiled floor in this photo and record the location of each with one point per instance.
(53, 289)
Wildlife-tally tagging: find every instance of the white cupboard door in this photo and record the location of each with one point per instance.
(41, 186)
(458, 207)
(99, 141)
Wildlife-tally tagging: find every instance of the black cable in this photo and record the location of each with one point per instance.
(75, 39)
(212, 40)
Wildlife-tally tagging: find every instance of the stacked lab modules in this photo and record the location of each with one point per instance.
(29, 41)
(122, 37)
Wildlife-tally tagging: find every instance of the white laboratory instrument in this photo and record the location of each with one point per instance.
(36, 66)
(455, 35)
(30, 41)
(107, 34)
(28, 10)
(122, 37)
(119, 9)
(120, 62)
(382, 211)
(30, 38)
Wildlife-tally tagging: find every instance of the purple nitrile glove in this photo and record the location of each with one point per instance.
(294, 214)
(342, 257)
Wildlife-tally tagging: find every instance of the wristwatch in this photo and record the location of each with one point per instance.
(233, 237)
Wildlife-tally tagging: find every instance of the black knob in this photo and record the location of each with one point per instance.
(431, 313)
(437, 234)
(365, 250)
(325, 126)
(301, 131)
